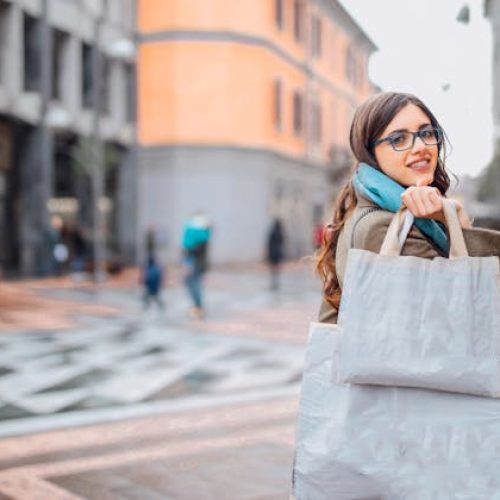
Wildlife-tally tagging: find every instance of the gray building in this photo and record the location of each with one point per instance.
(67, 113)
(492, 12)
(487, 209)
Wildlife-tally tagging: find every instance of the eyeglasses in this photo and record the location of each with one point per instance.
(401, 141)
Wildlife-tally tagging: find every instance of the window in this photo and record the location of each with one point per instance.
(105, 85)
(277, 112)
(351, 69)
(361, 72)
(4, 14)
(316, 121)
(298, 120)
(32, 53)
(59, 44)
(298, 20)
(278, 12)
(333, 121)
(316, 36)
(333, 49)
(87, 76)
(130, 92)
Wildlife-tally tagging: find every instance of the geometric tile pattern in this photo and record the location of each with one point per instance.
(125, 362)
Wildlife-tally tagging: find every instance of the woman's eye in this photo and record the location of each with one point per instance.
(398, 139)
(426, 134)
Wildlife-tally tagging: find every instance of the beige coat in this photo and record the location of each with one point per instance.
(366, 229)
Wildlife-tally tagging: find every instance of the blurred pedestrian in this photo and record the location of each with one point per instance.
(317, 236)
(275, 252)
(56, 237)
(79, 252)
(195, 240)
(152, 280)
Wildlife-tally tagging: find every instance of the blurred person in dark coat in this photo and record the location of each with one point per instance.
(275, 252)
(79, 252)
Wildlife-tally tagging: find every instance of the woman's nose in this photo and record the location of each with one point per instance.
(418, 144)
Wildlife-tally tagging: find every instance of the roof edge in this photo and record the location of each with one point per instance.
(344, 18)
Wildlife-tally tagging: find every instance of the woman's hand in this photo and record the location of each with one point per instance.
(426, 202)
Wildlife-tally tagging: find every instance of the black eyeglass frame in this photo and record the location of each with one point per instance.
(437, 131)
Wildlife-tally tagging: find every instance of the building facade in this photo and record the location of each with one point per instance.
(487, 205)
(244, 110)
(66, 89)
(492, 12)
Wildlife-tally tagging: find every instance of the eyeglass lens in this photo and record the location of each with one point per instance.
(405, 140)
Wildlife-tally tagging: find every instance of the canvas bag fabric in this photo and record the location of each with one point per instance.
(364, 442)
(414, 322)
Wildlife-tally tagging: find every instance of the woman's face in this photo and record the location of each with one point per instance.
(412, 165)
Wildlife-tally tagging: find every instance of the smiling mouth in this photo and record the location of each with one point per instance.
(419, 165)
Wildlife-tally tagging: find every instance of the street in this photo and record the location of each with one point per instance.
(152, 404)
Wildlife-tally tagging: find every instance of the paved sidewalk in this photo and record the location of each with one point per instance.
(126, 404)
(237, 452)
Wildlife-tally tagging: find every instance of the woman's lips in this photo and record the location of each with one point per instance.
(419, 165)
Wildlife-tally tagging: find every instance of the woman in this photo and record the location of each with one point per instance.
(400, 152)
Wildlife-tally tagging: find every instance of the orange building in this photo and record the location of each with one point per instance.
(244, 109)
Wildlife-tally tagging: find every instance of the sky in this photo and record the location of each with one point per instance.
(422, 49)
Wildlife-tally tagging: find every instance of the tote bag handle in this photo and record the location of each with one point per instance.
(401, 224)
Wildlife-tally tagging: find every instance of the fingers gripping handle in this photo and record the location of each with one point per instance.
(401, 224)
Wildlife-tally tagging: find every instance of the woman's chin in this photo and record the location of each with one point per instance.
(421, 179)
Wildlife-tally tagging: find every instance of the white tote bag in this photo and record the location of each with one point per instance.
(363, 442)
(414, 322)
(319, 474)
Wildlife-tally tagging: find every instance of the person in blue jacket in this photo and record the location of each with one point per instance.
(195, 240)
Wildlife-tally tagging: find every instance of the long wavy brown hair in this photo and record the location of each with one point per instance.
(370, 120)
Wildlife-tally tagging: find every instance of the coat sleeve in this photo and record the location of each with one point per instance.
(482, 242)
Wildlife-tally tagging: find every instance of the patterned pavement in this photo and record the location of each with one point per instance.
(235, 452)
(155, 405)
(130, 364)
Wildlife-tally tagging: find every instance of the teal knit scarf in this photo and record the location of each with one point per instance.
(377, 187)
